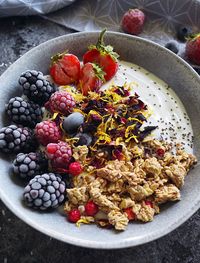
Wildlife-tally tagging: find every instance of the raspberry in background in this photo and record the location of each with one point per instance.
(133, 21)
(62, 102)
(59, 154)
(193, 49)
(47, 132)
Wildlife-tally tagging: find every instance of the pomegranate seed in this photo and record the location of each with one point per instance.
(147, 202)
(74, 215)
(160, 152)
(91, 208)
(130, 213)
(75, 168)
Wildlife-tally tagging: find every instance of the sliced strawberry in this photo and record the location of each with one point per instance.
(65, 68)
(91, 78)
(104, 56)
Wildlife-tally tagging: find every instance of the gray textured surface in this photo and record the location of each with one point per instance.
(20, 243)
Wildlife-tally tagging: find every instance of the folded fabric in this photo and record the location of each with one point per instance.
(30, 7)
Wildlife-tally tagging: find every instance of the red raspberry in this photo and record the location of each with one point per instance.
(47, 131)
(74, 215)
(91, 208)
(60, 101)
(59, 155)
(160, 152)
(130, 213)
(75, 168)
(133, 21)
(147, 202)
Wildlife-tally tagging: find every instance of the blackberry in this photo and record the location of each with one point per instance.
(30, 164)
(45, 191)
(24, 112)
(14, 139)
(36, 87)
(183, 32)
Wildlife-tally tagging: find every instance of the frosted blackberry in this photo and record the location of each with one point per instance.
(24, 112)
(36, 87)
(30, 164)
(14, 139)
(45, 191)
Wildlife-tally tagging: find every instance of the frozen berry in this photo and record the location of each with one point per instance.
(91, 208)
(62, 102)
(133, 21)
(74, 215)
(24, 112)
(47, 132)
(130, 213)
(59, 154)
(30, 164)
(172, 45)
(72, 122)
(14, 139)
(183, 32)
(45, 191)
(75, 168)
(36, 87)
(84, 139)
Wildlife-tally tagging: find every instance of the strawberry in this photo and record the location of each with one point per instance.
(104, 56)
(65, 68)
(91, 78)
(133, 21)
(193, 49)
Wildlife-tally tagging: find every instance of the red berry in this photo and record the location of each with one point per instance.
(147, 202)
(61, 101)
(91, 208)
(130, 213)
(160, 152)
(104, 56)
(59, 155)
(75, 168)
(91, 78)
(47, 132)
(193, 49)
(133, 21)
(65, 68)
(74, 215)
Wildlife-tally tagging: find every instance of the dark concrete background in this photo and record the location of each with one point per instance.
(20, 243)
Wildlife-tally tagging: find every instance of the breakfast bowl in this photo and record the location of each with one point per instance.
(185, 85)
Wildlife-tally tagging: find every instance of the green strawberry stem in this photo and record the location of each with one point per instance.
(100, 41)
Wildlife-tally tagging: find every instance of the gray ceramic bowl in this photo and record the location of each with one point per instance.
(164, 64)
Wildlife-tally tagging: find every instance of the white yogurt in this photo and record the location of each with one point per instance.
(168, 112)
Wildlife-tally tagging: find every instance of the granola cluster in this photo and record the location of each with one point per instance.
(127, 174)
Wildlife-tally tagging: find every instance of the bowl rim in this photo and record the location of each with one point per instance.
(129, 242)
